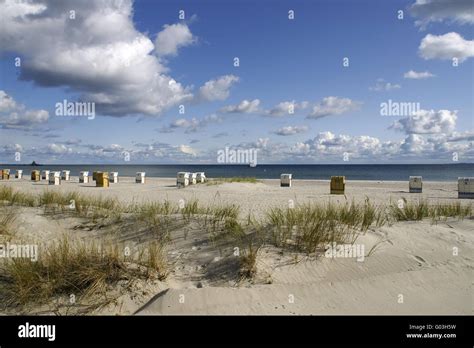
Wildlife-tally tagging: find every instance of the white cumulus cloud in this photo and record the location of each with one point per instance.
(173, 37)
(99, 54)
(417, 75)
(291, 130)
(286, 108)
(190, 125)
(217, 89)
(428, 122)
(14, 115)
(381, 85)
(333, 106)
(446, 47)
(187, 150)
(244, 107)
(459, 11)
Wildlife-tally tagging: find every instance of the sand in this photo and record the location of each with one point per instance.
(416, 267)
(255, 198)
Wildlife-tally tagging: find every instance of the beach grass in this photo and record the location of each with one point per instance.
(75, 268)
(421, 209)
(84, 269)
(361, 215)
(155, 259)
(248, 261)
(443, 211)
(7, 218)
(190, 209)
(308, 227)
(218, 181)
(12, 197)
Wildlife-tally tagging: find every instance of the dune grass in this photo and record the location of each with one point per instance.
(7, 218)
(81, 205)
(440, 211)
(11, 197)
(86, 269)
(157, 217)
(248, 261)
(191, 208)
(218, 181)
(305, 227)
(55, 202)
(308, 227)
(154, 258)
(75, 268)
(421, 209)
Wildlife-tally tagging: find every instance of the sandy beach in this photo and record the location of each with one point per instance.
(408, 267)
(255, 198)
(308, 163)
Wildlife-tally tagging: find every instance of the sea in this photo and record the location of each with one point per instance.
(377, 172)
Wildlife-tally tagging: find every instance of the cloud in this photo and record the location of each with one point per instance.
(99, 54)
(114, 148)
(11, 149)
(446, 47)
(244, 107)
(94, 153)
(16, 116)
(459, 11)
(217, 89)
(187, 150)
(381, 85)
(417, 75)
(333, 106)
(58, 149)
(220, 135)
(173, 37)
(465, 136)
(47, 136)
(286, 108)
(163, 152)
(325, 147)
(330, 147)
(190, 125)
(428, 122)
(73, 141)
(7, 103)
(291, 130)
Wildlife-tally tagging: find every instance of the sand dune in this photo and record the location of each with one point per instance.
(408, 267)
(416, 261)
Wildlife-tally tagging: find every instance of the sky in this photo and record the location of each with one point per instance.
(312, 85)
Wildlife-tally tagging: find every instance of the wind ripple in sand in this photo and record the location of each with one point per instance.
(435, 283)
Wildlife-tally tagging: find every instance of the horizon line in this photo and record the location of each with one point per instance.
(222, 164)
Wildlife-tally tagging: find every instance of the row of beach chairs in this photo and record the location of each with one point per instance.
(102, 179)
(415, 185)
(55, 177)
(183, 179)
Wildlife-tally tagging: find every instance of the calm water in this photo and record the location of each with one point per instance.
(433, 172)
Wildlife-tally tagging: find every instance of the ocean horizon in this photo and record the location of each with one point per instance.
(375, 172)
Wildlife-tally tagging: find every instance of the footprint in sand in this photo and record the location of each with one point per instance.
(419, 259)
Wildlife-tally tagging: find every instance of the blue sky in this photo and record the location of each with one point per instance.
(122, 55)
